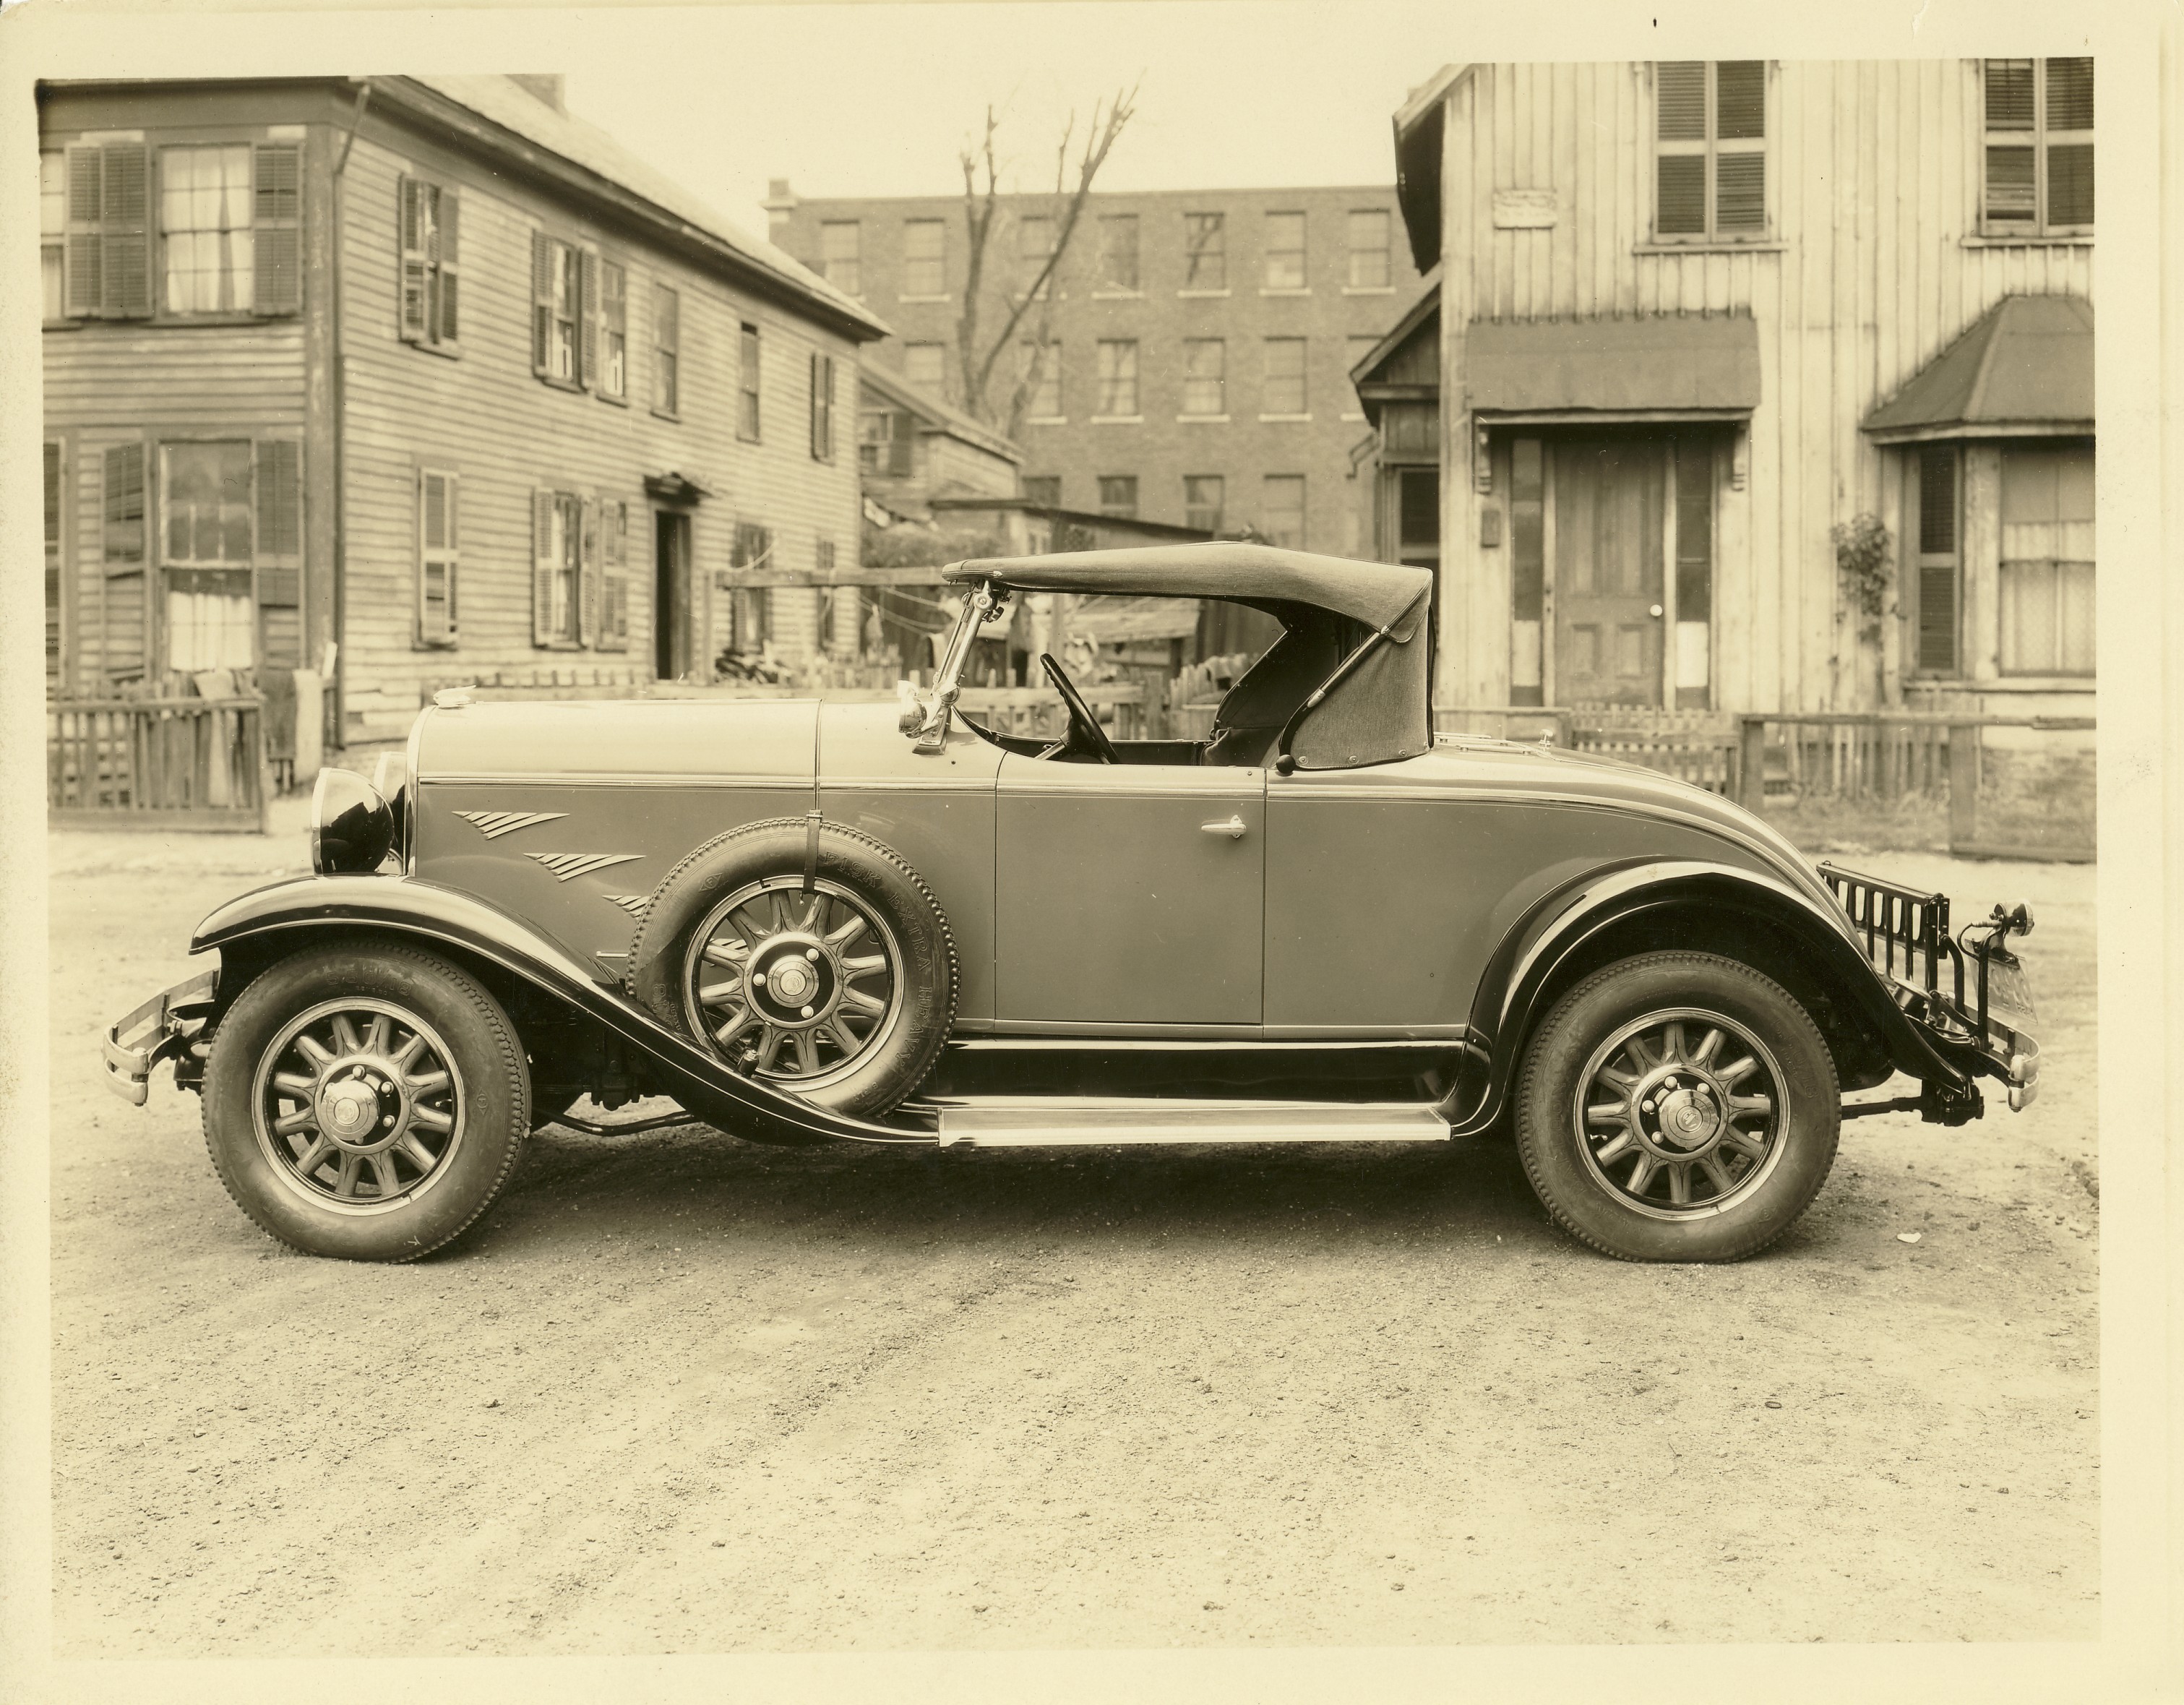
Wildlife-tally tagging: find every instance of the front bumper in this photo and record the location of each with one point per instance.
(162, 1029)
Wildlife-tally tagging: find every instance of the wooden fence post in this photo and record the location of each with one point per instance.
(1964, 784)
(1751, 762)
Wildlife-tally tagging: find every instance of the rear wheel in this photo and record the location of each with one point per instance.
(367, 1103)
(1677, 1107)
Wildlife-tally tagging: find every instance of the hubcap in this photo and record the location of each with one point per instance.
(1680, 1113)
(357, 1105)
(795, 986)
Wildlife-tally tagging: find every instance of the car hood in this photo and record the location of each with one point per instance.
(635, 741)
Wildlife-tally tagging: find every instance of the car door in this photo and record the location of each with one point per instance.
(1129, 893)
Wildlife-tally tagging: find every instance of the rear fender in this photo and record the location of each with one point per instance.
(1530, 969)
(281, 919)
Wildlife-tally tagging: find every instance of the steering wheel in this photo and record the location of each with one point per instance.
(1084, 726)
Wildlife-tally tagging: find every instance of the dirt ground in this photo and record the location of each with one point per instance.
(682, 1394)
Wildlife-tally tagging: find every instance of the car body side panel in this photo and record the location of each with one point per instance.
(935, 811)
(1389, 890)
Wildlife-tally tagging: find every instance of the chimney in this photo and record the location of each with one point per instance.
(780, 203)
(546, 88)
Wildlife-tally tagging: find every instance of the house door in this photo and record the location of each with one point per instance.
(1607, 539)
(671, 624)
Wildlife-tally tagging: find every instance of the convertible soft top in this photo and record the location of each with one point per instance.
(1380, 595)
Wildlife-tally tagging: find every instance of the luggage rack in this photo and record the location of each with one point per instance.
(1895, 921)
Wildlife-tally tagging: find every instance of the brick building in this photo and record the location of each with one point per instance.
(1189, 359)
(425, 376)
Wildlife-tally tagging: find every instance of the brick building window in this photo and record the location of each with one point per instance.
(1043, 491)
(924, 257)
(430, 219)
(1284, 393)
(1204, 376)
(1119, 378)
(748, 379)
(1118, 496)
(1281, 509)
(1202, 496)
(841, 255)
(925, 366)
(1369, 250)
(1710, 148)
(1040, 366)
(1205, 251)
(1284, 254)
(1118, 251)
(2038, 162)
(1034, 248)
(438, 556)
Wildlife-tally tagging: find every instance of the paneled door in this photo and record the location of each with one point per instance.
(1607, 539)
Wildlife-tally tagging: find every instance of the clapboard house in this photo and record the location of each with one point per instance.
(1699, 328)
(418, 380)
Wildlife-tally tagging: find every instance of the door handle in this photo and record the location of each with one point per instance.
(1656, 612)
(1233, 829)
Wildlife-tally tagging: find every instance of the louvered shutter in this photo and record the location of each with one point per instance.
(588, 576)
(1681, 195)
(450, 231)
(613, 550)
(1937, 559)
(84, 294)
(124, 221)
(1740, 192)
(1739, 100)
(411, 220)
(436, 557)
(588, 323)
(902, 448)
(278, 488)
(123, 509)
(541, 300)
(1680, 95)
(276, 228)
(543, 566)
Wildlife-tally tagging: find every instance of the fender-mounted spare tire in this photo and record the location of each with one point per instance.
(808, 956)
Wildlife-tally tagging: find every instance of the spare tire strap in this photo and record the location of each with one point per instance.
(811, 852)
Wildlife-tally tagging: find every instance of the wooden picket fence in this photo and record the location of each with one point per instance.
(157, 764)
(1036, 711)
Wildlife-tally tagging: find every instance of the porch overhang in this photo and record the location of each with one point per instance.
(2023, 368)
(1665, 368)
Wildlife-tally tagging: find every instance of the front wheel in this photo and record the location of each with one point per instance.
(366, 1102)
(1677, 1107)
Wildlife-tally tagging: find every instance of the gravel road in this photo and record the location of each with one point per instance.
(680, 1394)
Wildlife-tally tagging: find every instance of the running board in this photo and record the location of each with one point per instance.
(1062, 1122)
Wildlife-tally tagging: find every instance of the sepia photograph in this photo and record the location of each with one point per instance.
(1125, 843)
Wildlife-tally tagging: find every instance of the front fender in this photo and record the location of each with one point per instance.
(1519, 978)
(288, 914)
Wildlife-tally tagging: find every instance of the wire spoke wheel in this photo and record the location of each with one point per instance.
(357, 1103)
(797, 988)
(1680, 1113)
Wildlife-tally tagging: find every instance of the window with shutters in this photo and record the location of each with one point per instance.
(2045, 586)
(52, 228)
(557, 551)
(1284, 393)
(749, 380)
(1118, 252)
(430, 217)
(557, 309)
(666, 351)
(2037, 165)
(1281, 509)
(887, 441)
(1039, 369)
(1118, 495)
(1034, 249)
(822, 407)
(1710, 150)
(122, 509)
(439, 546)
(55, 623)
(1369, 250)
(1206, 377)
(1936, 595)
(614, 575)
(1202, 496)
(841, 255)
(106, 254)
(1205, 251)
(230, 228)
(1284, 254)
(1043, 491)
(751, 607)
(924, 259)
(614, 331)
(206, 527)
(1118, 379)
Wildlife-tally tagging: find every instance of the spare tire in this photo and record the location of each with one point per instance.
(804, 954)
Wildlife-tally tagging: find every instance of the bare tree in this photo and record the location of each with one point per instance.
(1026, 304)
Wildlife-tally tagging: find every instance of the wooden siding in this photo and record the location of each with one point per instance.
(485, 416)
(1871, 266)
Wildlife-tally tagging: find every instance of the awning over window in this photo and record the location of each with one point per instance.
(2024, 370)
(1670, 367)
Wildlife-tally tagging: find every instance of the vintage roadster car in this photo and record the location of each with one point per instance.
(806, 920)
